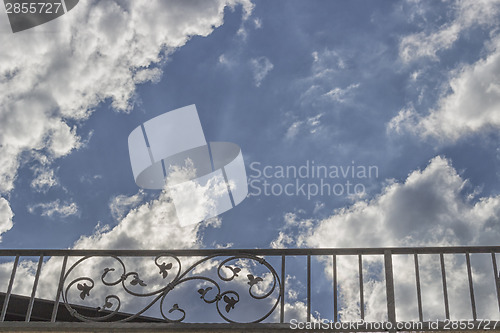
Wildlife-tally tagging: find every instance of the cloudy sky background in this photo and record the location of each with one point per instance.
(410, 87)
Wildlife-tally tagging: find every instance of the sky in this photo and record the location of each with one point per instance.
(398, 100)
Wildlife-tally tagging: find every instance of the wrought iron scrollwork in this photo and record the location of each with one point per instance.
(260, 287)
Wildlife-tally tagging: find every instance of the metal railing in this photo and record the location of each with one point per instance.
(230, 266)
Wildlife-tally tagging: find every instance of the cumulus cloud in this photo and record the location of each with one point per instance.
(471, 106)
(428, 209)
(49, 80)
(261, 67)
(6, 216)
(152, 225)
(470, 101)
(467, 14)
(155, 223)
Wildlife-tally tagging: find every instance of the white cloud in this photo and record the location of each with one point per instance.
(62, 139)
(258, 23)
(154, 224)
(422, 45)
(427, 209)
(293, 223)
(339, 95)
(327, 62)
(6, 216)
(327, 81)
(261, 67)
(311, 124)
(90, 179)
(44, 179)
(318, 206)
(293, 130)
(50, 79)
(248, 7)
(55, 208)
(223, 60)
(468, 13)
(122, 204)
(471, 106)
(145, 75)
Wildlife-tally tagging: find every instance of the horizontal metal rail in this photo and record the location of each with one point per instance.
(261, 252)
(229, 263)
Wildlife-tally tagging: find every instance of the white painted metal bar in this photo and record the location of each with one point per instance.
(59, 289)
(419, 291)
(389, 287)
(33, 291)
(9, 289)
(471, 287)
(445, 288)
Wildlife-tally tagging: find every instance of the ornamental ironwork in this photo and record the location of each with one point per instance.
(170, 269)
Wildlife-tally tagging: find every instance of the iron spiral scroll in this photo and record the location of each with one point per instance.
(225, 300)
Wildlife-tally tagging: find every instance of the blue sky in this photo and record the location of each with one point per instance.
(410, 87)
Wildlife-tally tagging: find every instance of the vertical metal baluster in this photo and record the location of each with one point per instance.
(445, 288)
(282, 290)
(308, 287)
(419, 291)
(335, 310)
(471, 287)
(59, 289)
(9, 289)
(497, 278)
(389, 287)
(33, 291)
(361, 300)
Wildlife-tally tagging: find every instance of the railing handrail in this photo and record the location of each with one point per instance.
(263, 252)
